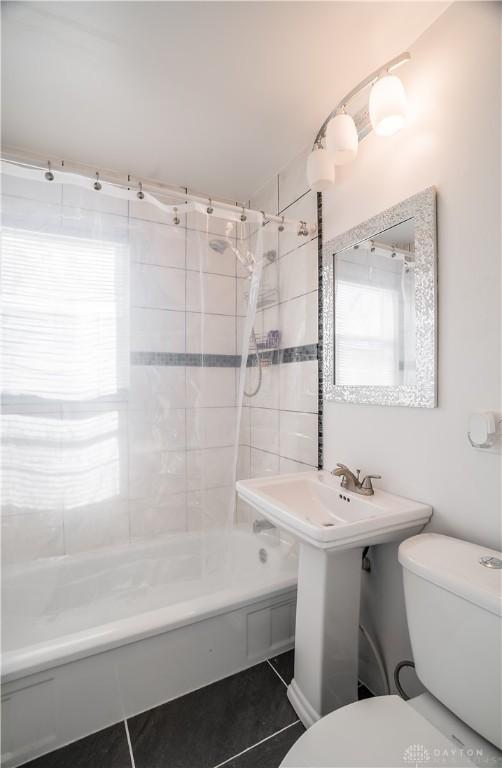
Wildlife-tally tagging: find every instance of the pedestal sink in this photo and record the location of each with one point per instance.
(333, 526)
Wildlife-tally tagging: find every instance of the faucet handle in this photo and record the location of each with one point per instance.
(367, 485)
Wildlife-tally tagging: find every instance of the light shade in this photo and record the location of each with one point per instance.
(320, 170)
(341, 139)
(387, 105)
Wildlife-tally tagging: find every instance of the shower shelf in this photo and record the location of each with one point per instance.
(267, 297)
(267, 344)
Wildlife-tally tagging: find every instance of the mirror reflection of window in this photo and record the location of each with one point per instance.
(375, 310)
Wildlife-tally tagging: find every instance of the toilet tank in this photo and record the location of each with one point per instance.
(454, 611)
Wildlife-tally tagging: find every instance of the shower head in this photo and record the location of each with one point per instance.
(220, 246)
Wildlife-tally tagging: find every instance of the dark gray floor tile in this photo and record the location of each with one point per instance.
(270, 753)
(105, 749)
(285, 665)
(211, 725)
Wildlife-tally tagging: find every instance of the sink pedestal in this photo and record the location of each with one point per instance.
(327, 629)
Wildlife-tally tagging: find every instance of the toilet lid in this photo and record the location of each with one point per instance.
(383, 731)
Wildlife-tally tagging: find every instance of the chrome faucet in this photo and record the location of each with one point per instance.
(261, 525)
(351, 482)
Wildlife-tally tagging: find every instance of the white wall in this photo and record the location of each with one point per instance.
(452, 141)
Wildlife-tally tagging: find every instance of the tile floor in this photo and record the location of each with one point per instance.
(244, 721)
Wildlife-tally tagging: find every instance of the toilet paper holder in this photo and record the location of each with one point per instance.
(484, 429)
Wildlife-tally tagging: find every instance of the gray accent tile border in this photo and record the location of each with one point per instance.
(188, 359)
(192, 360)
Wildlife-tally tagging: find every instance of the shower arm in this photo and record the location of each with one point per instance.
(361, 119)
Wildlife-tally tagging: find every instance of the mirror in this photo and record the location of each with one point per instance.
(375, 309)
(379, 308)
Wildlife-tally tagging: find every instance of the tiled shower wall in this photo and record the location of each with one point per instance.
(280, 424)
(154, 454)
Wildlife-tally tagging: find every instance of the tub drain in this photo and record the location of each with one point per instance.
(263, 555)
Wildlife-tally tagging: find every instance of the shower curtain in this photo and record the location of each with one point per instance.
(124, 347)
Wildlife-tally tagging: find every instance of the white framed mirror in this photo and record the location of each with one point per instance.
(380, 308)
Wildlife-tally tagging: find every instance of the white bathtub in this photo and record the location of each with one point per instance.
(90, 639)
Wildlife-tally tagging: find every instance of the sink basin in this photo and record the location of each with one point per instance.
(314, 507)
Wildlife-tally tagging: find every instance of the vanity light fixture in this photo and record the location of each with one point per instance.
(320, 169)
(338, 138)
(341, 138)
(387, 105)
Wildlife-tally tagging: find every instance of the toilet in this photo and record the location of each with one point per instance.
(453, 594)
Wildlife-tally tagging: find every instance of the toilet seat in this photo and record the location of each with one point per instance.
(382, 731)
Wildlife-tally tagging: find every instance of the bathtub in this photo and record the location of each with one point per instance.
(90, 639)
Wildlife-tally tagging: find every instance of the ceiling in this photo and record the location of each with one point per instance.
(216, 96)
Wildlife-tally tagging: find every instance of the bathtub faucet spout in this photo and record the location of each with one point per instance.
(261, 525)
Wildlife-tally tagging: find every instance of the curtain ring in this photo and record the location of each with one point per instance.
(281, 225)
(140, 194)
(176, 219)
(243, 215)
(97, 184)
(210, 208)
(48, 174)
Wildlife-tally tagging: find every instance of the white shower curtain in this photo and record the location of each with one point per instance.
(124, 350)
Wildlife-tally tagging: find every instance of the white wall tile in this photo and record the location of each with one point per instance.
(293, 180)
(242, 289)
(155, 475)
(154, 387)
(298, 271)
(211, 427)
(29, 536)
(213, 294)
(298, 321)
(202, 258)
(211, 468)
(288, 466)
(210, 387)
(271, 320)
(268, 394)
(160, 244)
(263, 463)
(265, 429)
(157, 430)
(241, 340)
(157, 287)
(142, 209)
(199, 222)
(212, 508)
(298, 436)
(96, 525)
(153, 517)
(157, 330)
(305, 209)
(213, 334)
(43, 191)
(244, 462)
(245, 434)
(92, 200)
(299, 386)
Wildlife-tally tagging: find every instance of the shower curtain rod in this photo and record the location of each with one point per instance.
(20, 164)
